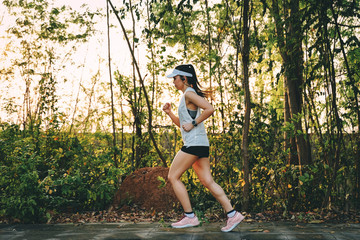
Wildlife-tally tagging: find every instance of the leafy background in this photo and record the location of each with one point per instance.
(57, 159)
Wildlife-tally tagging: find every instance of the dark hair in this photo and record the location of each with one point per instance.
(193, 81)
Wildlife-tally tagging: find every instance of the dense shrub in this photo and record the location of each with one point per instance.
(48, 173)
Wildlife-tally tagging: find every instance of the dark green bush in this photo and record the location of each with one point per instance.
(53, 173)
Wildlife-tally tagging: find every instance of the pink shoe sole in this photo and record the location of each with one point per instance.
(186, 222)
(234, 221)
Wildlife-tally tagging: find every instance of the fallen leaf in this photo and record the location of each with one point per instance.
(249, 220)
(257, 230)
(316, 221)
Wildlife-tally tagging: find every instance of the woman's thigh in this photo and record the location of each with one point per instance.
(202, 169)
(181, 163)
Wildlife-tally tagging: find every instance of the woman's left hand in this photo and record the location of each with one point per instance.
(187, 127)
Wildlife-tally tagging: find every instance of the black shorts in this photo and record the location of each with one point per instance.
(200, 151)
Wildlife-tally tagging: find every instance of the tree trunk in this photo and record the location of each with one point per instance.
(111, 88)
(222, 103)
(246, 127)
(295, 80)
(152, 69)
(291, 53)
(209, 57)
(335, 111)
(289, 141)
(137, 101)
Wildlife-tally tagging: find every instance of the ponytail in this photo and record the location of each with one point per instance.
(193, 81)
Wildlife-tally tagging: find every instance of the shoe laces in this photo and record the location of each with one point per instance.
(184, 216)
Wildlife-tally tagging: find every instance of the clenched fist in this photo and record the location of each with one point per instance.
(167, 108)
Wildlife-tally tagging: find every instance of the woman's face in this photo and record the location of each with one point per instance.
(179, 84)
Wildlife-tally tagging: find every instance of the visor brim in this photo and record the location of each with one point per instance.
(177, 72)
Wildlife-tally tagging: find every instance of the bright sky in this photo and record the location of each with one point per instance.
(87, 54)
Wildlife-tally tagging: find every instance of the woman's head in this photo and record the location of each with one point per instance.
(187, 73)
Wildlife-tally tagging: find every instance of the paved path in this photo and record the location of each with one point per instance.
(246, 231)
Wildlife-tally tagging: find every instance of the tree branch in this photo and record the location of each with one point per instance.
(142, 84)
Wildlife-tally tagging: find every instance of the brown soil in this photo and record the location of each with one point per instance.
(144, 189)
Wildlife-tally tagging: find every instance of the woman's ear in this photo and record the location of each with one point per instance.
(185, 80)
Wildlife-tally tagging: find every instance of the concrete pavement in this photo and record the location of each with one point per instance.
(245, 231)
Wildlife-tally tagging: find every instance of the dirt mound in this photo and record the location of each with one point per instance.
(148, 188)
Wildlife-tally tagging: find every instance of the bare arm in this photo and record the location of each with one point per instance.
(167, 110)
(208, 109)
(200, 102)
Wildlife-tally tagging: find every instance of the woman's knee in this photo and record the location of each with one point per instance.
(207, 182)
(172, 177)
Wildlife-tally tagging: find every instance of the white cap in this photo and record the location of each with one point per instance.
(176, 72)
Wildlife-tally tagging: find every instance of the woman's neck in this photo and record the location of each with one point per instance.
(184, 88)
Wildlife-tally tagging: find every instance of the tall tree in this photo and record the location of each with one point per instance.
(289, 38)
(111, 85)
(245, 65)
(137, 95)
(355, 89)
(209, 42)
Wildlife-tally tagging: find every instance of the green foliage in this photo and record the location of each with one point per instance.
(162, 182)
(53, 172)
(45, 168)
(21, 195)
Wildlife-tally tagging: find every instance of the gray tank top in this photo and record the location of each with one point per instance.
(192, 113)
(197, 136)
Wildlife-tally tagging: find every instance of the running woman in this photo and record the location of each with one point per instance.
(195, 151)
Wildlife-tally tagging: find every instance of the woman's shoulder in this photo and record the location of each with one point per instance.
(189, 89)
(192, 96)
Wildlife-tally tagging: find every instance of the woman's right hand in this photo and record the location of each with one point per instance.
(167, 108)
